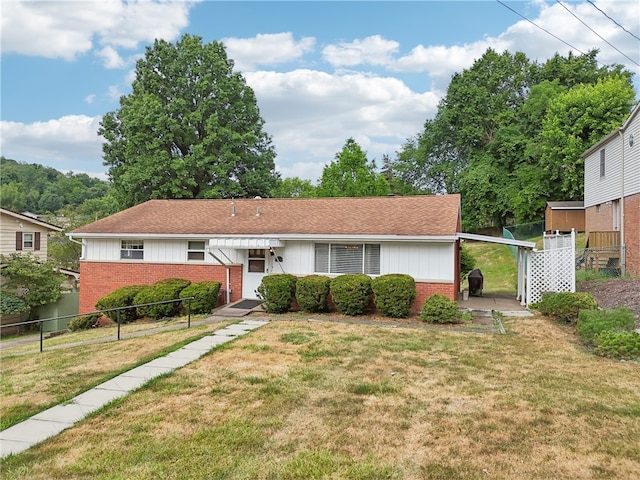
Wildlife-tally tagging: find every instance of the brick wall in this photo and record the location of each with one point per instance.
(632, 233)
(425, 290)
(100, 278)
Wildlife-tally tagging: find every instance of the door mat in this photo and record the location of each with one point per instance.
(246, 304)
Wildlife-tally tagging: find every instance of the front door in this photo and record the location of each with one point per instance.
(255, 269)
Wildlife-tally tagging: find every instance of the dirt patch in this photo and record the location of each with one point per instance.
(614, 292)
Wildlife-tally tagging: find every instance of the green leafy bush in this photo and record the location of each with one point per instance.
(565, 306)
(351, 293)
(205, 296)
(83, 322)
(278, 292)
(440, 309)
(312, 292)
(178, 282)
(594, 322)
(11, 303)
(621, 345)
(121, 297)
(162, 291)
(394, 294)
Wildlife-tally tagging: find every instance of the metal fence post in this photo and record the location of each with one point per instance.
(118, 319)
(189, 313)
(41, 335)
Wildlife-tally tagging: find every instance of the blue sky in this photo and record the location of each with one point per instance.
(322, 71)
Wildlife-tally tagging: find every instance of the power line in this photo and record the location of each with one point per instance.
(538, 26)
(605, 14)
(599, 36)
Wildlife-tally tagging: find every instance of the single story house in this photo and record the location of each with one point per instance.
(237, 242)
(612, 191)
(564, 217)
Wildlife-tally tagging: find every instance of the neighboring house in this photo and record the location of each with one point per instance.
(612, 189)
(23, 233)
(238, 242)
(564, 217)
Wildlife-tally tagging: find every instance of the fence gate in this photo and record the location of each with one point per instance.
(552, 269)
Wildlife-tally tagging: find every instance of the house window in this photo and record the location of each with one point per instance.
(27, 241)
(195, 250)
(602, 163)
(132, 249)
(257, 262)
(347, 258)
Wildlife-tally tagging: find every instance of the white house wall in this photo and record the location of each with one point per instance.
(599, 190)
(8, 228)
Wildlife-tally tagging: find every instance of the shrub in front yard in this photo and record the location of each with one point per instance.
(162, 291)
(593, 322)
(351, 293)
(394, 294)
(11, 303)
(277, 292)
(121, 297)
(205, 296)
(83, 322)
(620, 345)
(440, 309)
(565, 306)
(312, 292)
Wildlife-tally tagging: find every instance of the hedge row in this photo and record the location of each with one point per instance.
(168, 290)
(609, 332)
(354, 294)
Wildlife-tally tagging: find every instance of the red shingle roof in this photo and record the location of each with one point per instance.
(426, 215)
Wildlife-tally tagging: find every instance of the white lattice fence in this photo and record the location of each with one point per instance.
(552, 270)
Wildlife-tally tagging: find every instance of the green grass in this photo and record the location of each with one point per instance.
(498, 267)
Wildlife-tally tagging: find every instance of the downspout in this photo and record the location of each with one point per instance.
(76, 241)
(623, 248)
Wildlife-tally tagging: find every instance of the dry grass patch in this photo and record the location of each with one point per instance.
(30, 383)
(298, 400)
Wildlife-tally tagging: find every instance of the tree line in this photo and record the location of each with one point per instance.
(507, 136)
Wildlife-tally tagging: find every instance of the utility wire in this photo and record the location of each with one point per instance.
(538, 26)
(605, 14)
(599, 36)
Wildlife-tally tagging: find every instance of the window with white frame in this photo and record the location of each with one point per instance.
(132, 249)
(27, 241)
(602, 163)
(195, 250)
(347, 258)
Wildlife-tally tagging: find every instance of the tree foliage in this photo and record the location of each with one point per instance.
(190, 128)
(352, 175)
(37, 282)
(509, 133)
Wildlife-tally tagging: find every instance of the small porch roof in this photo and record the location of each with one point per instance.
(504, 241)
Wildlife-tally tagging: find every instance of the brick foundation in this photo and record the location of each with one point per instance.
(425, 290)
(100, 278)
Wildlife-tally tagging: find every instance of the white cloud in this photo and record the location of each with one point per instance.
(71, 141)
(373, 50)
(110, 57)
(90, 99)
(266, 49)
(310, 115)
(59, 29)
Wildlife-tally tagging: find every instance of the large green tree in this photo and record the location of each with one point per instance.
(190, 128)
(352, 175)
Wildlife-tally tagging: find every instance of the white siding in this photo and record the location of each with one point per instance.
(10, 225)
(599, 190)
(100, 249)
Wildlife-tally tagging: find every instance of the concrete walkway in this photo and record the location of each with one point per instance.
(51, 422)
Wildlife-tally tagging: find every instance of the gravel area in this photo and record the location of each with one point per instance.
(614, 292)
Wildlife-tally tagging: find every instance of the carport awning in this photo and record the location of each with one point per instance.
(246, 242)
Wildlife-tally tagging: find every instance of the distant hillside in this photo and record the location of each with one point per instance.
(44, 190)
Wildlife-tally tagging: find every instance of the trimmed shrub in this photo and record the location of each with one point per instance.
(351, 293)
(11, 303)
(440, 309)
(565, 306)
(594, 322)
(277, 292)
(312, 292)
(205, 296)
(394, 294)
(121, 297)
(161, 291)
(621, 345)
(183, 282)
(84, 322)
